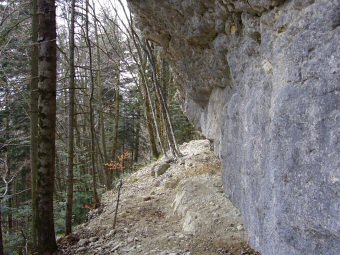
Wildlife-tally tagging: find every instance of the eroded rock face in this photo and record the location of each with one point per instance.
(262, 79)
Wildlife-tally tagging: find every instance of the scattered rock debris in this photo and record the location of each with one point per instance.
(181, 211)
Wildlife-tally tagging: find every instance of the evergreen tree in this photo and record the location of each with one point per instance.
(47, 126)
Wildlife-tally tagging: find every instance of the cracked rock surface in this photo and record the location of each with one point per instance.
(261, 79)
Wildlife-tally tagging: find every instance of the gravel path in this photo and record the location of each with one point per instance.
(167, 208)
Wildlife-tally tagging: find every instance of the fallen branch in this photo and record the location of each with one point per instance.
(117, 203)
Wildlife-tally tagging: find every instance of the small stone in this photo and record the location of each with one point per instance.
(115, 248)
(172, 183)
(130, 239)
(83, 242)
(267, 66)
(127, 249)
(240, 227)
(148, 198)
(111, 233)
(93, 239)
(169, 160)
(81, 249)
(160, 169)
(181, 236)
(109, 244)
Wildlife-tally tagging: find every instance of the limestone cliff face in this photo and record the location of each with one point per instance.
(262, 79)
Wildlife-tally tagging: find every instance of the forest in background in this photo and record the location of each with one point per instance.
(117, 106)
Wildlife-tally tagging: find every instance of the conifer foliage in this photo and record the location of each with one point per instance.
(84, 98)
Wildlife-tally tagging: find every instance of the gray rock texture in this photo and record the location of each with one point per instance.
(261, 78)
(202, 205)
(159, 169)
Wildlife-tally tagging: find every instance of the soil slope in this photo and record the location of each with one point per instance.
(168, 207)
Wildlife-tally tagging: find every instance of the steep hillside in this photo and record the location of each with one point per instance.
(261, 79)
(181, 211)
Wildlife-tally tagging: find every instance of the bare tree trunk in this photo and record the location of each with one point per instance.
(164, 100)
(59, 186)
(149, 108)
(117, 119)
(150, 112)
(7, 137)
(34, 120)
(117, 203)
(47, 124)
(1, 239)
(108, 172)
(152, 124)
(169, 131)
(80, 146)
(96, 201)
(136, 142)
(71, 113)
(149, 119)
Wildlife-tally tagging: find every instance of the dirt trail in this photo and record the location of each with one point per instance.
(180, 211)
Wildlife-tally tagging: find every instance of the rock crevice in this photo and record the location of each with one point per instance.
(261, 78)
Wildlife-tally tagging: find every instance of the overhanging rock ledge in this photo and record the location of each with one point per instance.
(261, 78)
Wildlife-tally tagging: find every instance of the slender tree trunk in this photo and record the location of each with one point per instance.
(10, 205)
(150, 114)
(71, 113)
(117, 203)
(149, 121)
(165, 103)
(108, 172)
(96, 201)
(59, 177)
(117, 119)
(169, 131)
(47, 126)
(100, 92)
(136, 142)
(81, 148)
(1, 239)
(7, 137)
(160, 120)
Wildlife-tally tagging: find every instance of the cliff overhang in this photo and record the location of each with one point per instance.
(261, 78)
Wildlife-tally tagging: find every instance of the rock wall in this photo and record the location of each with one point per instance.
(261, 78)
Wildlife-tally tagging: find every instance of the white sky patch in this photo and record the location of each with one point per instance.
(115, 5)
(111, 6)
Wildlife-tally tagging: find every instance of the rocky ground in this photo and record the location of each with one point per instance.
(169, 207)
